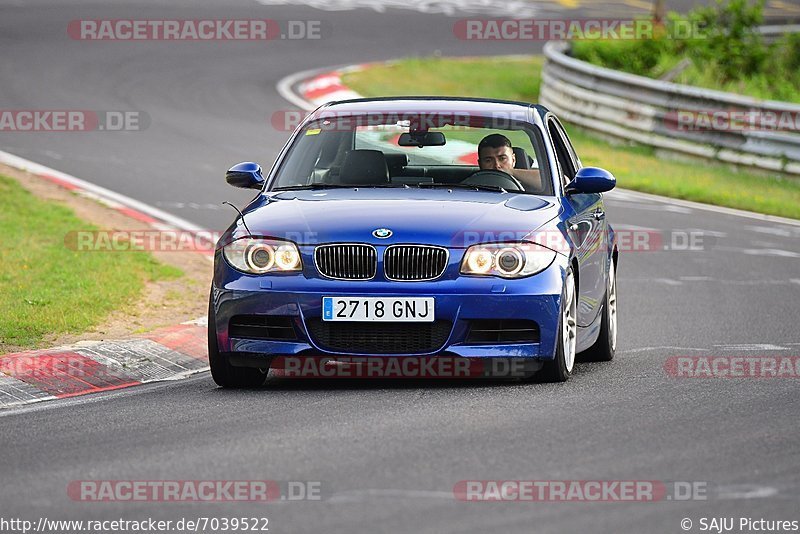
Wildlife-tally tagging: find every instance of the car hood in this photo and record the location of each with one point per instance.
(450, 218)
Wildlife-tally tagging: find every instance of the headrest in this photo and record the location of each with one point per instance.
(523, 160)
(396, 161)
(364, 167)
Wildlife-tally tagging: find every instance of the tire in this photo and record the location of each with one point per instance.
(605, 347)
(560, 368)
(223, 373)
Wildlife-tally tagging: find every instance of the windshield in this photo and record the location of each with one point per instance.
(366, 151)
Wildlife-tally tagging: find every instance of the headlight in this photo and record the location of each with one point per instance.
(260, 256)
(507, 260)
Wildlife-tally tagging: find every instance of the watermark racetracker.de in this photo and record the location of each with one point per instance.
(732, 120)
(589, 29)
(579, 490)
(759, 367)
(72, 120)
(198, 30)
(627, 240)
(209, 491)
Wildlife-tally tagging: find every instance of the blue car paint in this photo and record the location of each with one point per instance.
(458, 298)
(454, 219)
(449, 218)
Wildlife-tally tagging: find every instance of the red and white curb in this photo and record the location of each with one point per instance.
(92, 366)
(328, 86)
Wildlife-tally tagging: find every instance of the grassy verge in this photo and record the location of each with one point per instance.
(50, 289)
(509, 79)
(635, 167)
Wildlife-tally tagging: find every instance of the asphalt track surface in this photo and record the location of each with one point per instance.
(389, 453)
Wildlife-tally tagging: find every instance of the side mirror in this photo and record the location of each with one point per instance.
(591, 180)
(246, 175)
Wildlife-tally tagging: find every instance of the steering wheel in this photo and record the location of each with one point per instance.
(495, 178)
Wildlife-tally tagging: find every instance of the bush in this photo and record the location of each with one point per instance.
(728, 54)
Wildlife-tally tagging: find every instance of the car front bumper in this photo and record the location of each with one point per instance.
(458, 300)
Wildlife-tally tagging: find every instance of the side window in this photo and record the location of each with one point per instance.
(563, 154)
(576, 160)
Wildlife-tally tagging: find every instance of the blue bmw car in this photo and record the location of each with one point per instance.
(418, 228)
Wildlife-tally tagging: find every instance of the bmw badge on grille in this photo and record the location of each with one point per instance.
(382, 233)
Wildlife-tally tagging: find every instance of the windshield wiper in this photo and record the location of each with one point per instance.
(337, 186)
(311, 187)
(476, 187)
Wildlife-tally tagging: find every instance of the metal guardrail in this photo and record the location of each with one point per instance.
(690, 120)
(772, 32)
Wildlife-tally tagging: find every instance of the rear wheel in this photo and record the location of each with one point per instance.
(559, 369)
(605, 347)
(223, 373)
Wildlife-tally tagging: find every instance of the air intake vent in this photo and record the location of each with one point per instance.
(499, 331)
(347, 261)
(269, 327)
(379, 338)
(414, 262)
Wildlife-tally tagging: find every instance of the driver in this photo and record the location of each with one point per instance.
(495, 154)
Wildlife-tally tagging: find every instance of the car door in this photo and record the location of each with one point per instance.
(586, 225)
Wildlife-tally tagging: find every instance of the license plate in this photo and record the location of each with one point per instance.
(406, 310)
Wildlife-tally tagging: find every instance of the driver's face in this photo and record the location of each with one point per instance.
(496, 159)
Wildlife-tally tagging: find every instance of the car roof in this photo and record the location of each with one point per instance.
(433, 105)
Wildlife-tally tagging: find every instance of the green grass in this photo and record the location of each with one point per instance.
(510, 80)
(635, 167)
(48, 288)
(779, 80)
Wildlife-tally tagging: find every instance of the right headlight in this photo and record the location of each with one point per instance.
(261, 256)
(506, 260)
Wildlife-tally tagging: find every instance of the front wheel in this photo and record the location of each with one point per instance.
(559, 369)
(605, 347)
(223, 373)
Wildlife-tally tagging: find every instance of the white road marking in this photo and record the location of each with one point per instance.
(773, 230)
(716, 209)
(618, 226)
(495, 8)
(745, 491)
(668, 281)
(755, 282)
(663, 347)
(367, 494)
(704, 233)
(770, 252)
(652, 207)
(751, 347)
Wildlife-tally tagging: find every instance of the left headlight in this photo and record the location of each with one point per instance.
(507, 260)
(261, 256)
